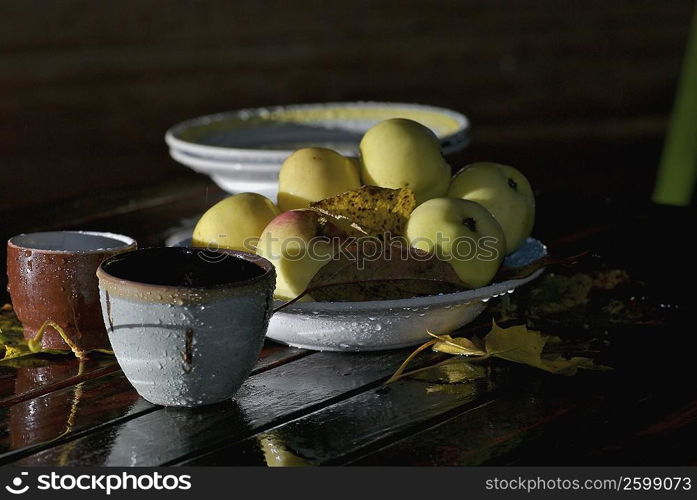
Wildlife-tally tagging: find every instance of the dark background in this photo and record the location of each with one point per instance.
(575, 93)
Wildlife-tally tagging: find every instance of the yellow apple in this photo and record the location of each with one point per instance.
(505, 192)
(235, 222)
(461, 232)
(294, 244)
(399, 153)
(312, 174)
(437, 189)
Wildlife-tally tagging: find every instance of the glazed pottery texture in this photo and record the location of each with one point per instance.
(186, 325)
(51, 276)
(380, 325)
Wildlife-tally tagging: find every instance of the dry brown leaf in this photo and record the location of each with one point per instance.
(369, 210)
(397, 272)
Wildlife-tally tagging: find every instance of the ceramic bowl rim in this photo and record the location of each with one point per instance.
(445, 299)
(128, 242)
(460, 136)
(454, 298)
(264, 264)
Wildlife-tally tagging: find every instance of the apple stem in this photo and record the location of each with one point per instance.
(470, 223)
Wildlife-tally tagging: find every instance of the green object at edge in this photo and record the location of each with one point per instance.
(677, 173)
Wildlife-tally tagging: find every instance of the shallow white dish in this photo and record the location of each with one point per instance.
(391, 324)
(243, 150)
(234, 177)
(269, 135)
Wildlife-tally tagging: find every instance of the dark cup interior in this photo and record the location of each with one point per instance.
(188, 267)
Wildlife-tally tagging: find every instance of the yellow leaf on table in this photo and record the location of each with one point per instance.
(460, 346)
(520, 345)
(516, 344)
(13, 344)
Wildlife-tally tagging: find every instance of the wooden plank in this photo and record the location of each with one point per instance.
(578, 423)
(146, 213)
(53, 404)
(491, 427)
(634, 415)
(98, 88)
(177, 195)
(274, 354)
(645, 427)
(127, 24)
(339, 431)
(265, 400)
(669, 441)
(483, 434)
(30, 377)
(52, 418)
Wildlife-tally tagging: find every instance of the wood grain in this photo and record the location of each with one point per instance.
(265, 399)
(27, 378)
(345, 428)
(55, 400)
(60, 415)
(548, 85)
(146, 213)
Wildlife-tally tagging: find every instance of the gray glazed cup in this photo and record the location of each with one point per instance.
(186, 325)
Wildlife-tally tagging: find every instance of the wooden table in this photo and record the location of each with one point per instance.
(300, 407)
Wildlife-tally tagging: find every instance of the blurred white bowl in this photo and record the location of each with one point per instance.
(243, 150)
(234, 177)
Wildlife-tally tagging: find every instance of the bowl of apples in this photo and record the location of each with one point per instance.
(374, 253)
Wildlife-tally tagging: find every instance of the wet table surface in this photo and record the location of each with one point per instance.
(627, 303)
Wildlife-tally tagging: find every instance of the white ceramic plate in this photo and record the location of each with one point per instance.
(391, 324)
(269, 135)
(243, 150)
(234, 177)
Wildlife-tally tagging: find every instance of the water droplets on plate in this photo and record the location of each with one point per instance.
(391, 324)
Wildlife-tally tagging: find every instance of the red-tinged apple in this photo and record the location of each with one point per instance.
(294, 244)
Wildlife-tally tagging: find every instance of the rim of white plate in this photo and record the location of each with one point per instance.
(481, 293)
(452, 141)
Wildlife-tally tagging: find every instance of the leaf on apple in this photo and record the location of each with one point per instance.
(516, 344)
(397, 272)
(369, 210)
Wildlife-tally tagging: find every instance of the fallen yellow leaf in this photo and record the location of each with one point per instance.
(516, 344)
(459, 346)
(520, 345)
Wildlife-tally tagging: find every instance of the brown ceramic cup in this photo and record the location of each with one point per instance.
(51, 276)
